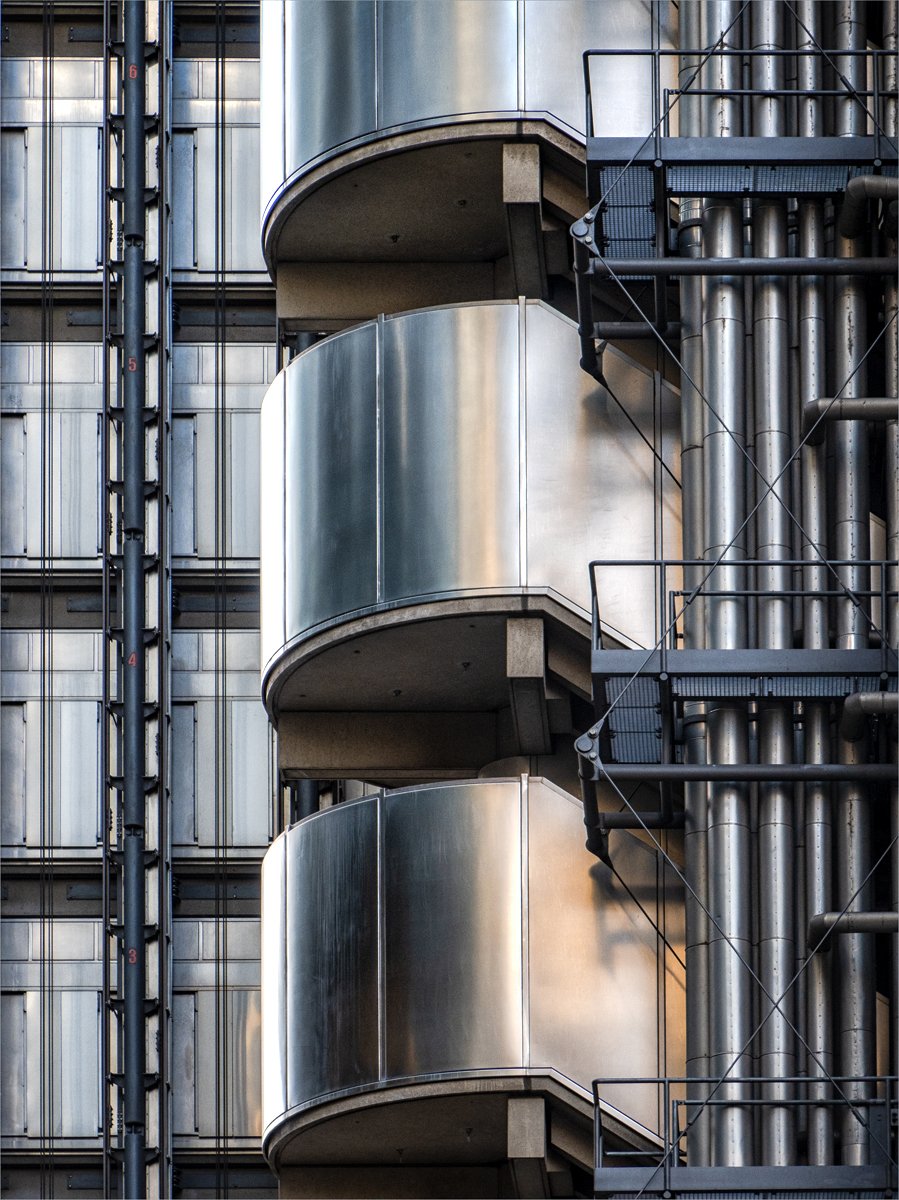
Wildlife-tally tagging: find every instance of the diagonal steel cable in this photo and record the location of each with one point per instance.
(769, 486)
(702, 1105)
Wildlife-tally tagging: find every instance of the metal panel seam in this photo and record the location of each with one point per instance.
(522, 443)
(524, 835)
(381, 919)
(379, 460)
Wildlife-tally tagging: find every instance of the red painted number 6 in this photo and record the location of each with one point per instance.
(132, 70)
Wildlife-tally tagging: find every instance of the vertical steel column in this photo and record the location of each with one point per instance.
(774, 534)
(134, 958)
(854, 953)
(725, 472)
(692, 510)
(818, 803)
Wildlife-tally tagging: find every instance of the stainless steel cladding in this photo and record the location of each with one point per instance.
(394, 475)
(336, 76)
(69, 151)
(416, 934)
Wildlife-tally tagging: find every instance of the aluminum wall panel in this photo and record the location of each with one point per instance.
(329, 492)
(184, 485)
(222, 757)
(185, 1117)
(13, 757)
(13, 236)
(475, 70)
(450, 432)
(243, 483)
(452, 922)
(13, 1100)
(13, 539)
(271, 93)
(329, 78)
(331, 1003)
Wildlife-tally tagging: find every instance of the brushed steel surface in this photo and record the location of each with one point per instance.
(474, 70)
(329, 488)
(355, 70)
(456, 890)
(494, 464)
(450, 450)
(452, 929)
(331, 946)
(329, 82)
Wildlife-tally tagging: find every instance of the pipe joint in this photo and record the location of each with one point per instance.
(858, 192)
(861, 705)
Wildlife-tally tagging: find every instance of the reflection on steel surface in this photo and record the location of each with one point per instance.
(426, 922)
(392, 473)
(334, 74)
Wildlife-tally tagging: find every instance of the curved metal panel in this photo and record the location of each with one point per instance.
(452, 921)
(330, 480)
(591, 476)
(329, 77)
(331, 941)
(273, 973)
(272, 96)
(450, 430)
(446, 57)
(272, 542)
(417, 935)
(595, 1011)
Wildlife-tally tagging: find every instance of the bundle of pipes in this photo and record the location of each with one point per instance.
(758, 353)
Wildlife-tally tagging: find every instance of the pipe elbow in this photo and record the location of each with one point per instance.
(861, 705)
(858, 192)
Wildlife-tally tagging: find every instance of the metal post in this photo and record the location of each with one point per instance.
(134, 955)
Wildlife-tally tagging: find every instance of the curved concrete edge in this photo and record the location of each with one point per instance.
(308, 645)
(563, 143)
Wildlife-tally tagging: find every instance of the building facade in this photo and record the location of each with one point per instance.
(308, 389)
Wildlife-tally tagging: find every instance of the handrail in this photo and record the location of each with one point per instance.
(666, 633)
(874, 56)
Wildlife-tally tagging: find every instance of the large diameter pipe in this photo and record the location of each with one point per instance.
(774, 543)
(730, 937)
(859, 191)
(817, 795)
(692, 409)
(849, 445)
(861, 705)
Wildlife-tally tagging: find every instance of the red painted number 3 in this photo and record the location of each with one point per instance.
(132, 955)
(132, 70)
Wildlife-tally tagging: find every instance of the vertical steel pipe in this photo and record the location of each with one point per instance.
(774, 534)
(134, 956)
(854, 958)
(730, 939)
(692, 522)
(818, 803)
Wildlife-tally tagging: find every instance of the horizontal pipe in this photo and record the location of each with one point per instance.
(744, 266)
(860, 705)
(821, 924)
(748, 772)
(611, 331)
(861, 408)
(859, 191)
